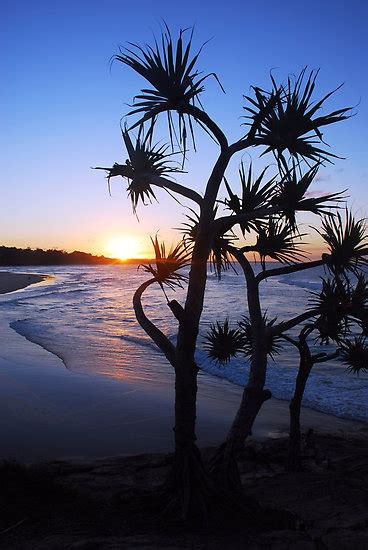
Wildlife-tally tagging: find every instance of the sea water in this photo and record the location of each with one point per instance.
(85, 317)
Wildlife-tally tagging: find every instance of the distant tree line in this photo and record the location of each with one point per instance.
(27, 256)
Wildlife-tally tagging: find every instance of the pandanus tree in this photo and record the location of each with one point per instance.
(331, 313)
(285, 122)
(342, 308)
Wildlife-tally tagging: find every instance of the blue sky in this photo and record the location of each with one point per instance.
(61, 104)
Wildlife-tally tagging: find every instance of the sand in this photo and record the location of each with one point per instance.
(116, 503)
(9, 282)
(48, 412)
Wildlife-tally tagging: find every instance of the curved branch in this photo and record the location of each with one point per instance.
(205, 119)
(292, 341)
(254, 304)
(301, 266)
(238, 254)
(197, 114)
(289, 269)
(291, 323)
(241, 144)
(159, 338)
(248, 248)
(126, 172)
(176, 188)
(323, 357)
(223, 224)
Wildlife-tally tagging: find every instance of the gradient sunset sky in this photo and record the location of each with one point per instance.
(61, 105)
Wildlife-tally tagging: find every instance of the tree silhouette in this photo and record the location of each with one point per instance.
(342, 308)
(284, 122)
(330, 314)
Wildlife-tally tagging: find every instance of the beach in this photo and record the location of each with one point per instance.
(98, 448)
(50, 412)
(9, 282)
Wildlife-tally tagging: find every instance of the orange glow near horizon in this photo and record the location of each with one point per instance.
(123, 248)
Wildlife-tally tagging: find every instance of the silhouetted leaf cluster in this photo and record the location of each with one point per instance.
(167, 265)
(273, 343)
(176, 83)
(276, 240)
(354, 354)
(222, 342)
(285, 119)
(347, 242)
(333, 303)
(254, 196)
(291, 195)
(219, 257)
(145, 160)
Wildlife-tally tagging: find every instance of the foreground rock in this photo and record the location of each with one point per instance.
(110, 503)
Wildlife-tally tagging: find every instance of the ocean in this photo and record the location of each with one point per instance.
(85, 317)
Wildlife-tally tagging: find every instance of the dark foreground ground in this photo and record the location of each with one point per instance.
(110, 503)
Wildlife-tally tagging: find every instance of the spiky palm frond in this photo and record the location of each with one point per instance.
(363, 323)
(175, 82)
(222, 342)
(167, 265)
(333, 303)
(262, 105)
(277, 241)
(359, 303)
(273, 343)
(144, 161)
(359, 296)
(291, 195)
(220, 257)
(347, 242)
(354, 354)
(254, 196)
(285, 119)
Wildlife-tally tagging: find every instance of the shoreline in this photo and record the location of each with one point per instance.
(49, 412)
(10, 282)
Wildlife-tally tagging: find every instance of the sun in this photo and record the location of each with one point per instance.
(123, 248)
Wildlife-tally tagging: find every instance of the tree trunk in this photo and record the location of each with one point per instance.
(294, 453)
(254, 394)
(224, 466)
(251, 403)
(188, 481)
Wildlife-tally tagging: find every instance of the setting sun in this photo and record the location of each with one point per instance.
(124, 248)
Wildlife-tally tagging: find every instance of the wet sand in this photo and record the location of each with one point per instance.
(9, 282)
(50, 412)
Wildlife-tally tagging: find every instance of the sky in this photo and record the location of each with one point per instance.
(62, 101)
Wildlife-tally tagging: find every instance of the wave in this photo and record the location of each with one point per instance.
(329, 389)
(28, 330)
(306, 284)
(91, 327)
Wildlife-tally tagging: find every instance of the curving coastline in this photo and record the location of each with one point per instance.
(9, 282)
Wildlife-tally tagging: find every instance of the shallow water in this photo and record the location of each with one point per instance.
(86, 318)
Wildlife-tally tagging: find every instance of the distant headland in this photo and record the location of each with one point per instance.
(12, 256)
